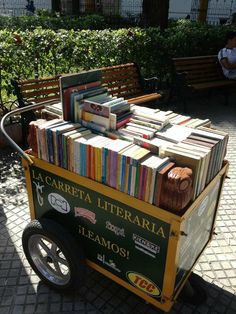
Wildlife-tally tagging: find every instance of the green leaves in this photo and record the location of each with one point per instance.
(48, 52)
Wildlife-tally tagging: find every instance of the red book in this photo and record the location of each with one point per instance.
(67, 93)
(142, 174)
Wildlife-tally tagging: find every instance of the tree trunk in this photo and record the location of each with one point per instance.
(75, 7)
(56, 5)
(155, 13)
(203, 6)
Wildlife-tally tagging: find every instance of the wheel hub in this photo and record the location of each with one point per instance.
(49, 259)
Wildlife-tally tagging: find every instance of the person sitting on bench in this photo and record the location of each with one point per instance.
(227, 56)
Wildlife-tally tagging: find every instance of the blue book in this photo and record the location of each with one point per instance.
(49, 140)
(104, 164)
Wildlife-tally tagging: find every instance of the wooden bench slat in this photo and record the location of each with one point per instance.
(194, 67)
(26, 82)
(121, 77)
(40, 85)
(37, 93)
(215, 84)
(119, 66)
(144, 98)
(46, 98)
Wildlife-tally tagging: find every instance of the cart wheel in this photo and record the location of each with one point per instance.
(54, 254)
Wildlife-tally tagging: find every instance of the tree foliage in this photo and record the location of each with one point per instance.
(63, 51)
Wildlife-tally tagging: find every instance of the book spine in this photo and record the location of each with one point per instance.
(140, 182)
(147, 185)
(122, 122)
(90, 117)
(120, 106)
(146, 144)
(99, 164)
(93, 126)
(122, 173)
(113, 167)
(96, 108)
(92, 162)
(137, 179)
(133, 180)
(112, 117)
(143, 183)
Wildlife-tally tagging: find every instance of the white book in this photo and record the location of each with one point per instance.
(113, 101)
(174, 133)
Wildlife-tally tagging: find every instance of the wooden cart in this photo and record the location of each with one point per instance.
(77, 222)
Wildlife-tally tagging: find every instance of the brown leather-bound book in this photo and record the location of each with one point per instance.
(177, 189)
(161, 176)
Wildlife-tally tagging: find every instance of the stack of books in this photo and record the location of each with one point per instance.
(52, 111)
(202, 149)
(73, 96)
(105, 113)
(127, 147)
(120, 164)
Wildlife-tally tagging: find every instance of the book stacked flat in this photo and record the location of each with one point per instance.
(105, 113)
(202, 149)
(52, 111)
(152, 118)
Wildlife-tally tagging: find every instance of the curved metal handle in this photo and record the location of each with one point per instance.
(18, 111)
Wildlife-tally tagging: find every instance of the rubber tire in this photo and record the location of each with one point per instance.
(72, 251)
(194, 292)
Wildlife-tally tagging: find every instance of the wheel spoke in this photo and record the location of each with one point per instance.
(58, 268)
(62, 261)
(44, 246)
(54, 249)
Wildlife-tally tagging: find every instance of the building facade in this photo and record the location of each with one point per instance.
(17, 7)
(219, 11)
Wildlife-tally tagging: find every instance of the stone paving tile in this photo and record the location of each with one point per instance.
(21, 291)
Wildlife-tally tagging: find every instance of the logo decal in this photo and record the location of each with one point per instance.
(39, 192)
(59, 203)
(143, 283)
(145, 246)
(85, 213)
(118, 231)
(102, 258)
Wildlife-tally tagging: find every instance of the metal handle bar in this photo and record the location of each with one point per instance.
(18, 111)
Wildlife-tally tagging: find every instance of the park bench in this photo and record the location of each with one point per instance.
(125, 80)
(121, 80)
(200, 74)
(35, 90)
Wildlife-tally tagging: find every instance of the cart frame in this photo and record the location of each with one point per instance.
(174, 236)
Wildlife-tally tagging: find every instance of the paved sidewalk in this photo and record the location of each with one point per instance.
(22, 292)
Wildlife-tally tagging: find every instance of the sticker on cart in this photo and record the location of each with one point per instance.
(145, 246)
(39, 192)
(110, 263)
(143, 283)
(203, 206)
(59, 203)
(118, 231)
(85, 213)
